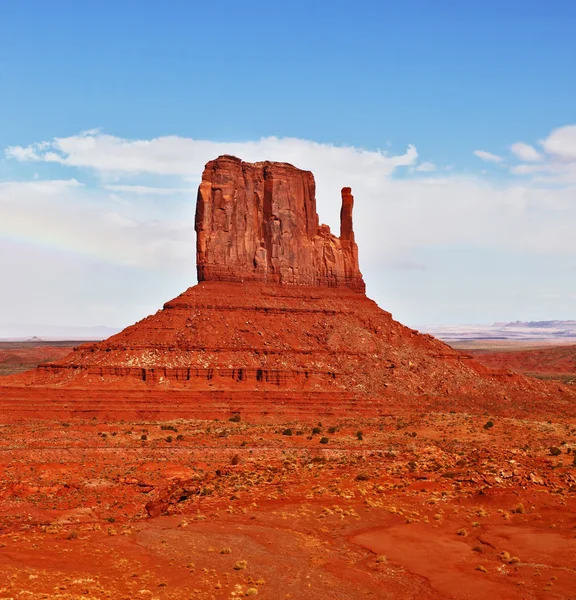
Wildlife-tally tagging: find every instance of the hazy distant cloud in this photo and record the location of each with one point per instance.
(531, 168)
(525, 152)
(404, 265)
(488, 156)
(144, 190)
(67, 216)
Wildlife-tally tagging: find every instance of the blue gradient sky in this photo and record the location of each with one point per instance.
(450, 78)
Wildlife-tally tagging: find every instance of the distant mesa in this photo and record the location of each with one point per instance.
(35, 332)
(280, 308)
(525, 331)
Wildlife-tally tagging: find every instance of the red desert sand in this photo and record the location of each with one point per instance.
(272, 432)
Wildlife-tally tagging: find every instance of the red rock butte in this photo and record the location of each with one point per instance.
(258, 222)
(279, 323)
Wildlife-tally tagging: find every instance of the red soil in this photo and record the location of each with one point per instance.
(455, 510)
(16, 357)
(548, 361)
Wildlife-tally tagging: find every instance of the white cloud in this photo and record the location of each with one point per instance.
(525, 152)
(561, 143)
(426, 167)
(173, 155)
(488, 156)
(556, 165)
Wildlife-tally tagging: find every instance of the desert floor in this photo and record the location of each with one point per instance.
(423, 506)
(412, 504)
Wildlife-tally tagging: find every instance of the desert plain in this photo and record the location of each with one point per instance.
(405, 505)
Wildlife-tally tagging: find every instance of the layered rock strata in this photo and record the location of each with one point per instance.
(228, 337)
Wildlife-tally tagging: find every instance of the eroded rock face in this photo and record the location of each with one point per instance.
(258, 222)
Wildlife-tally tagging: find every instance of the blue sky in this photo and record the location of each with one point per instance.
(475, 228)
